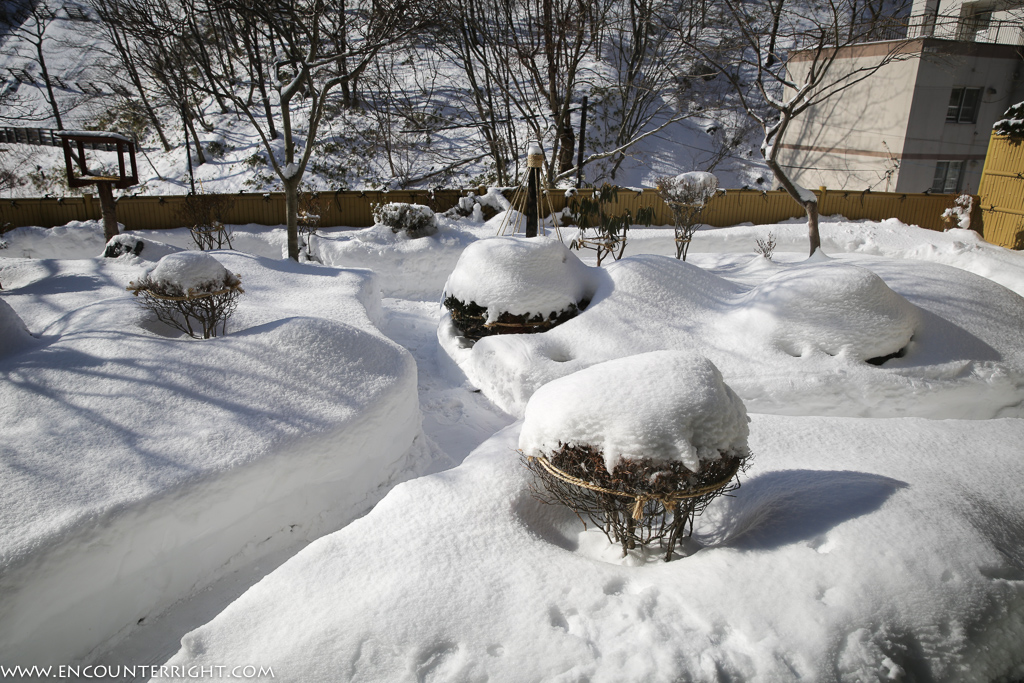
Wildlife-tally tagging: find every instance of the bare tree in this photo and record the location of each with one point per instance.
(26, 22)
(748, 44)
(120, 47)
(472, 41)
(645, 57)
(314, 48)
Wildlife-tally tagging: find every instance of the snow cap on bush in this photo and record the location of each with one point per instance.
(190, 271)
(695, 187)
(120, 245)
(663, 406)
(519, 275)
(827, 307)
(414, 220)
(1012, 123)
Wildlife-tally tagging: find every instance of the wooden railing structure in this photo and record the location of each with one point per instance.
(354, 208)
(46, 137)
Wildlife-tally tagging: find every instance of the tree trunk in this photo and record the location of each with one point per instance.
(810, 206)
(108, 209)
(200, 157)
(812, 225)
(49, 86)
(291, 209)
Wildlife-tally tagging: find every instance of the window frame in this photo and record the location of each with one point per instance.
(958, 110)
(941, 181)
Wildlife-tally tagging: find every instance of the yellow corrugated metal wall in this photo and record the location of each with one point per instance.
(1001, 192)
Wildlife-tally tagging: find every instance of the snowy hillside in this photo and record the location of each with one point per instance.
(377, 144)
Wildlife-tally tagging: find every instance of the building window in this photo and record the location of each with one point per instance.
(963, 105)
(948, 177)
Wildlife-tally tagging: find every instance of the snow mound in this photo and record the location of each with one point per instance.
(964, 361)
(827, 307)
(136, 471)
(519, 275)
(190, 271)
(664, 405)
(14, 336)
(70, 241)
(408, 268)
(859, 546)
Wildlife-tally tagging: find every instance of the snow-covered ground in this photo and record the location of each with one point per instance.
(867, 542)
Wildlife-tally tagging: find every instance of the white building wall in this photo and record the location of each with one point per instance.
(889, 131)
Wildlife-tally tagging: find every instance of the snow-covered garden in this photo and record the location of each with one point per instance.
(334, 488)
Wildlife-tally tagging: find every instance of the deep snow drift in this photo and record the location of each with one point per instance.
(138, 464)
(858, 548)
(789, 338)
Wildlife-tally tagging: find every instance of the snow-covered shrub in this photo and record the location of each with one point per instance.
(826, 307)
(463, 208)
(1012, 123)
(190, 291)
(601, 229)
(119, 245)
(687, 194)
(509, 285)
(414, 220)
(203, 214)
(765, 246)
(959, 215)
(639, 445)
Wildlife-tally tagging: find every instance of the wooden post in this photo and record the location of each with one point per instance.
(108, 209)
(534, 163)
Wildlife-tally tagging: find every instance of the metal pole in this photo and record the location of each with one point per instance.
(583, 140)
(534, 164)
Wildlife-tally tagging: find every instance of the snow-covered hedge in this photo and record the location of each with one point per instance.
(531, 279)
(666, 406)
(119, 245)
(413, 220)
(694, 188)
(830, 308)
(190, 291)
(959, 215)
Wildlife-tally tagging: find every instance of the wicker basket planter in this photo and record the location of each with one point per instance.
(641, 502)
(471, 320)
